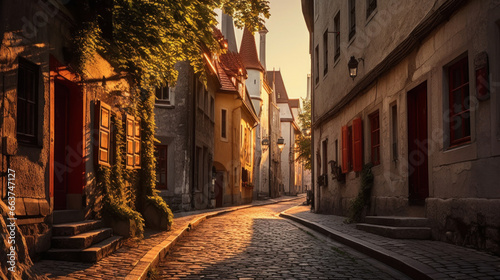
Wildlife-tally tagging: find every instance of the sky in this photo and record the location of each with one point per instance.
(287, 45)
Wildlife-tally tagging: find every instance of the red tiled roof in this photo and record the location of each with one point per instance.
(279, 86)
(248, 52)
(294, 103)
(230, 66)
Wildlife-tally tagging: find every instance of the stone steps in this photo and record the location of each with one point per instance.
(82, 240)
(397, 227)
(75, 228)
(91, 254)
(79, 240)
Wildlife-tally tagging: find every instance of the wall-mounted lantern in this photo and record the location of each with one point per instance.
(281, 143)
(353, 66)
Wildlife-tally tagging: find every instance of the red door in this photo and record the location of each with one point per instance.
(60, 144)
(418, 173)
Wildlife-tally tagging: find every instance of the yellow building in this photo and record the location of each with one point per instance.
(235, 120)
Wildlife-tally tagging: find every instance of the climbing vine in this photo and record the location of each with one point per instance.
(362, 200)
(117, 201)
(148, 159)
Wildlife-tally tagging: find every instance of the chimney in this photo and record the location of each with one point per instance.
(262, 48)
(227, 29)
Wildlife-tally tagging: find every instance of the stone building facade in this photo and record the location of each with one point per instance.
(423, 109)
(185, 118)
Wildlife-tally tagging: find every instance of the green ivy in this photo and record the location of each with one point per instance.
(362, 200)
(117, 198)
(148, 160)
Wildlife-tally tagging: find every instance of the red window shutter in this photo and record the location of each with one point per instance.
(103, 122)
(345, 150)
(137, 143)
(357, 140)
(129, 135)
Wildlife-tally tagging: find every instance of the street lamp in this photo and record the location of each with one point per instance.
(281, 143)
(353, 66)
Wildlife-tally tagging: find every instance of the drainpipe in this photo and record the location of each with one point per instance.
(270, 124)
(193, 145)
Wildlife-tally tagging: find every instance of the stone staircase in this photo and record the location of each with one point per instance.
(79, 240)
(396, 227)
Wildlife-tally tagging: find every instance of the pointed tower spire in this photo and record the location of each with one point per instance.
(248, 52)
(227, 29)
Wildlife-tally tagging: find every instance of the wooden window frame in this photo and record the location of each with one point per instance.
(132, 142)
(375, 137)
(463, 66)
(25, 135)
(137, 143)
(159, 162)
(103, 124)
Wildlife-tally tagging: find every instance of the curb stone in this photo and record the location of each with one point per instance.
(157, 253)
(408, 266)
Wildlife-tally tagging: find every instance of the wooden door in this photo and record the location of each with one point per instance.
(60, 144)
(418, 173)
(219, 188)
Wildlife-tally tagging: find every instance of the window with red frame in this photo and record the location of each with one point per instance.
(459, 105)
(375, 137)
(161, 166)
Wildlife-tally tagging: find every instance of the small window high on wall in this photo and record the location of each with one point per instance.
(459, 102)
(27, 102)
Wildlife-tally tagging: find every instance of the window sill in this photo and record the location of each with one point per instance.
(458, 146)
(164, 106)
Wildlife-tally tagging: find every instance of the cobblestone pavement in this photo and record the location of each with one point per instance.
(449, 261)
(256, 243)
(122, 262)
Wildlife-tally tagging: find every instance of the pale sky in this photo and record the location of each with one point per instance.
(287, 45)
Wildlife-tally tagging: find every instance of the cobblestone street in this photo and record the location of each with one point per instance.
(256, 243)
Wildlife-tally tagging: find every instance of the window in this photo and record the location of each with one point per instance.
(223, 124)
(27, 102)
(336, 28)
(161, 154)
(352, 18)
(459, 102)
(165, 95)
(394, 130)
(325, 52)
(103, 122)
(212, 107)
(375, 138)
(316, 62)
(371, 5)
(205, 107)
(133, 140)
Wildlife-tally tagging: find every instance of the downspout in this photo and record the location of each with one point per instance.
(193, 145)
(270, 125)
(232, 154)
